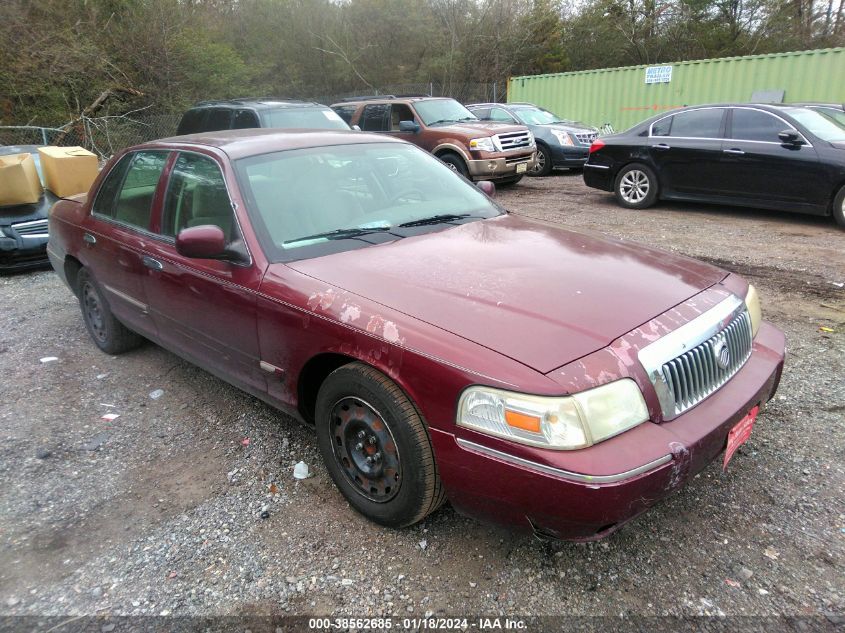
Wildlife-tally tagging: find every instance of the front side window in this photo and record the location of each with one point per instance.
(296, 198)
(134, 202)
(197, 196)
(498, 114)
(399, 112)
(705, 123)
(754, 125)
(321, 118)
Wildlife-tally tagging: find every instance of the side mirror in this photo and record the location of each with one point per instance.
(790, 137)
(409, 126)
(487, 187)
(201, 242)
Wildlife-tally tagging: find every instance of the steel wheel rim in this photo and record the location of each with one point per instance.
(94, 312)
(365, 450)
(634, 186)
(541, 163)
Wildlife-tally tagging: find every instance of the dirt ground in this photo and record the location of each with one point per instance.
(159, 511)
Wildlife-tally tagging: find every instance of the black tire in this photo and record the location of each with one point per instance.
(544, 162)
(839, 208)
(508, 182)
(636, 186)
(455, 163)
(357, 406)
(109, 334)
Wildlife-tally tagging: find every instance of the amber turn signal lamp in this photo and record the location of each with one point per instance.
(522, 421)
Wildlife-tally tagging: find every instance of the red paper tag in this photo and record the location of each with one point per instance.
(739, 435)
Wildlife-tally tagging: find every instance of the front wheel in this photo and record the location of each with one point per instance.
(839, 208)
(376, 447)
(544, 162)
(456, 164)
(636, 186)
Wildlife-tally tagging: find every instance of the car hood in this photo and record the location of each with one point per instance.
(569, 127)
(541, 295)
(473, 128)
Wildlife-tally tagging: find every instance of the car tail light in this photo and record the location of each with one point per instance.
(596, 146)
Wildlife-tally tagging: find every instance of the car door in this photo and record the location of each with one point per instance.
(117, 232)
(685, 149)
(204, 309)
(761, 168)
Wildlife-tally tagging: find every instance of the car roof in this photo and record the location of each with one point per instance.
(258, 103)
(254, 141)
(388, 99)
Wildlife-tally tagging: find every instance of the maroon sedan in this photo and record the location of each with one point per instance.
(542, 378)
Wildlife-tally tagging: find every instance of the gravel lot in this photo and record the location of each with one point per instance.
(159, 511)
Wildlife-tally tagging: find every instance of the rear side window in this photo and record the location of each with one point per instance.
(245, 119)
(218, 119)
(192, 121)
(754, 125)
(197, 196)
(104, 202)
(697, 123)
(374, 118)
(134, 202)
(345, 112)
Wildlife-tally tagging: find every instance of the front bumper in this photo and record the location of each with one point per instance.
(18, 253)
(569, 156)
(499, 168)
(489, 483)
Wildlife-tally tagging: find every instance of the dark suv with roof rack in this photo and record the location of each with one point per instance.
(478, 150)
(237, 114)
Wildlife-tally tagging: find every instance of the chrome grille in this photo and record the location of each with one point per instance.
(517, 159)
(587, 138)
(695, 374)
(36, 228)
(513, 140)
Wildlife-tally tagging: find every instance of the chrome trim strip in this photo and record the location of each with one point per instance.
(42, 222)
(597, 166)
(35, 236)
(557, 472)
(270, 368)
(687, 337)
(143, 307)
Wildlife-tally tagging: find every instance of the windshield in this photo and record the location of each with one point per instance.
(537, 116)
(439, 111)
(303, 118)
(837, 116)
(825, 128)
(316, 201)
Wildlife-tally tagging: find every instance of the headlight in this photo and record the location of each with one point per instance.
(530, 138)
(485, 144)
(561, 423)
(752, 302)
(562, 137)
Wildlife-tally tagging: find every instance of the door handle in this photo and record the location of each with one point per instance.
(152, 264)
(89, 239)
(662, 146)
(736, 152)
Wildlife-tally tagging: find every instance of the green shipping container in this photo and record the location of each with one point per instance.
(626, 96)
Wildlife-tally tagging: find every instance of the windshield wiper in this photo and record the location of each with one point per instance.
(439, 219)
(439, 121)
(342, 234)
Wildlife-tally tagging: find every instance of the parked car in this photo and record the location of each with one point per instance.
(835, 111)
(477, 150)
(238, 114)
(781, 157)
(535, 376)
(23, 227)
(560, 142)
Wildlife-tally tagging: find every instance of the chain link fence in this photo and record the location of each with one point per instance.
(106, 135)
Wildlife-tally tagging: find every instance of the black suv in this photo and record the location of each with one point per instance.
(238, 114)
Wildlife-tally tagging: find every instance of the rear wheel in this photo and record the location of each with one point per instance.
(455, 163)
(839, 208)
(636, 186)
(544, 162)
(376, 447)
(109, 334)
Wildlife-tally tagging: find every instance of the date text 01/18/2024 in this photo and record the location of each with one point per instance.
(417, 624)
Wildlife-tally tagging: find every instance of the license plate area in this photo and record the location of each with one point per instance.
(739, 434)
(521, 168)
